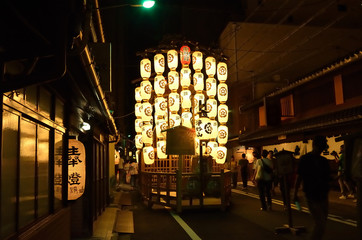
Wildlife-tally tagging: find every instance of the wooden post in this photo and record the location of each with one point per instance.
(179, 185)
(201, 164)
(222, 190)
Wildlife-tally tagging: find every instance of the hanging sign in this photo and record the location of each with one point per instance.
(76, 169)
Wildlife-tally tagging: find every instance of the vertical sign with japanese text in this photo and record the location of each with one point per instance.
(76, 169)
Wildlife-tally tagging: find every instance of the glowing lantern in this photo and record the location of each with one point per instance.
(223, 133)
(137, 94)
(198, 81)
(138, 156)
(221, 154)
(148, 155)
(210, 66)
(214, 129)
(174, 102)
(161, 149)
(138, 110)
(197, 60)
(160, 106)
(146, 111)
(161, 125)
(160, 84)
(203, 128)
(76, 169)
(223, 113)
(159, 61)
(211, 87)
(197, 98)
(197, 146)
(173, 80)
(145, 68)
(146, 90)
(147, 134)
(185, 99)
(175, 120)
(172, 59)
(211, 108)
(185, 77)
(186, 119)
(222, 92)
(185, 55)
(212, 149)
(138, 141)
(222, 71)
(138, 125)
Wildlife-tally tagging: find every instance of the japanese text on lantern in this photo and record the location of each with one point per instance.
(76, 169)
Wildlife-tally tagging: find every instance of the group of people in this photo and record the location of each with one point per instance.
(127, 171)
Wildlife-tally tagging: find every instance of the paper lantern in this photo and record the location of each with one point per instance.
(203, 128)
(197, 62)
(147, 134)
(175, 120)
(214, 129)
(198, 81)
(161, 149)
(137, 94)
(161, 125)
(172, 59)
(197, 98)
(197, 146)
(211, 87)
(222, 136)
(76, 169)
(138, 156)
(174, 102)
(223, 113)
(138, 123)
(222, 71)
(146, 111)
(145, 67)
(185, 99)
(185, 55)
(146, 90)
(138, 110)
(222, 92)
(148, 155)
(173, 80)
(211, 108)
(212, 149)
(160, 84)
(160, 106)
(138, 141)
(185, 75)
(186, 119)
(221, 154)
(159, 61)
(210, 66)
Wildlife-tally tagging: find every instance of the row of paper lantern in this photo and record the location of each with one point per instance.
(172, 62)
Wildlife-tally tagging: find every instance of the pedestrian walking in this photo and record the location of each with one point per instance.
(133, 171)
(243, 163)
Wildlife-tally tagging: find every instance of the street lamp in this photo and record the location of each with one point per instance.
(145, 4)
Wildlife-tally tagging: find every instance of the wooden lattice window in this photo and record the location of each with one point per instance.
(287, 107)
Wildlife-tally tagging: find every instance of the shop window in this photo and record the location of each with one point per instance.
(43, 171)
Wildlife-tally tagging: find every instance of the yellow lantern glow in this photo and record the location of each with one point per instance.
(148, 155)
(211, 87)
(186, 119)
(138, 125)
(222, 92)
(138, 156)
(161, 125)
(173, 80)
(211, 108)
(197, 146)
(160, 106)
(185, 77)
(138, 110)
(146, 90)
(146, 111)
(160, 84)
(221, 154)
(223, 133)
(174, 102)
(214, 129)
(222, 71)
(212, 149)
(138, 141)
(198, 81)
(223, 113)
(175, 120)
(161, 149)
(185, 99)
(197, 60)
(159, 61)
(77, 171)
(210, 66)
(147, 134)
(172, 59)
(137, 94)
(145, 68)
(203, 128)
(197, 98)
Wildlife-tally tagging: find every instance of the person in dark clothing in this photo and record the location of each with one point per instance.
(243, 162)
(314, 172)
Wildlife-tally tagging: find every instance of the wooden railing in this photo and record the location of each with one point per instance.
(213, 190)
